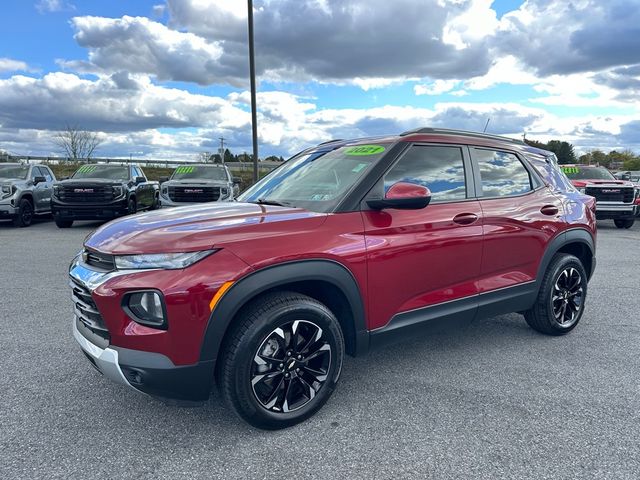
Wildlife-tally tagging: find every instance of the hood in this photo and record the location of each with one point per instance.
(195, 182)
(90, 181)
(200, 227)
(587, 183)
(5, 181)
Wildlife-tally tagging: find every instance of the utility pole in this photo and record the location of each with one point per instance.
(222, 150)
(252, 74)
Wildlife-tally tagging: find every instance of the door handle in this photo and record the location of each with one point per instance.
(549, 210)
(465, 218)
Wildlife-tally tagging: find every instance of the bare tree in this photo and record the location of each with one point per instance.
(77, 144)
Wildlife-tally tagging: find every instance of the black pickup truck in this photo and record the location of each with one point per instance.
(103, 192)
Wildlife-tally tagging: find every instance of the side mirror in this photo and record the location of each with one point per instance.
(38, 180)
(403, 196)
(140, 180)
(625, 177)
(237, 180)
(63, 178)
(164, 179)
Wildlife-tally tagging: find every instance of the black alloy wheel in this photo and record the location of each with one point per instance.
(561, 298)
(281, 359)
(24, 217)
(568, 296)
(290, 366)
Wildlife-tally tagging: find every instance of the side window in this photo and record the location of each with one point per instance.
(440, 169)
(502, 174)
(44, 172)
(35, 172)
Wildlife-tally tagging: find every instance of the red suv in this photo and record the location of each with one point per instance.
(343, 248)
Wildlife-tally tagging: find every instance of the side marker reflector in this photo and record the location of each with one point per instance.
(221, 291)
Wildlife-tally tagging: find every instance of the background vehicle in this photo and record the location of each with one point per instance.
(343, 248)
(25, 191)
(199, 184)
(633, 177)
(101, 192)
(615, 199)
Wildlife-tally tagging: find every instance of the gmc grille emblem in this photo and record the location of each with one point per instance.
(610, 190)
(192, 190)
(83, 190)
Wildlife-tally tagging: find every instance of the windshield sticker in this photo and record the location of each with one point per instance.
(364, 150)
(87, 169)
(570, 169)
(184, 169)
(358, 168)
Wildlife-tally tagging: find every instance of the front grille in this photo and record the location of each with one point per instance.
(611, 194)
(86, 311)
(194, 194)
(86, 194)
(100, 260)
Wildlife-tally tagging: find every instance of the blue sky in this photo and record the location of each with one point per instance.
(166, 78)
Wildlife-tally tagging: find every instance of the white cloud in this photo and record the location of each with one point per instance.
(50, 6)
(10, 65)
(437, 87)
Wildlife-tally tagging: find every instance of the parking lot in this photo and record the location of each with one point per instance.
(495, 400)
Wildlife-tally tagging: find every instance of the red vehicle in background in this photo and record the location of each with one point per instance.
(616, 200)
(345, 247)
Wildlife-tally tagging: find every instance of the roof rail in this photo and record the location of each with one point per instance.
(465, 133)
(330, 141)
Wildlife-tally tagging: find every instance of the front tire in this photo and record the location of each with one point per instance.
(25, 214)
(282, 360)
(624, 223)
(132, 206)
(62, 223)
(560, 303)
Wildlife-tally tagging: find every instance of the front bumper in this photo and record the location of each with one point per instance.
(7, 210)
(68, 211)
(612, 211)
(163, 363)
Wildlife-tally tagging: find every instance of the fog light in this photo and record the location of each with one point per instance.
(146, 308)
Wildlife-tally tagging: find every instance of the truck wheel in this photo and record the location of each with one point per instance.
(282, 360)
(24, 216)
(561, 297)
(62, 223)
(624, 223)
(156, 203)
(132, 206)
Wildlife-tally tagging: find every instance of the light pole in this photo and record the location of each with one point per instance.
(252, 74)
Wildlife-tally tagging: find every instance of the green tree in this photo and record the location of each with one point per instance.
(563, 150)
(595, 157)
(632, 164)
(535, 143)
(228, 156)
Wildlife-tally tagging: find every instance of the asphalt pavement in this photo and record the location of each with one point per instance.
(494, 400)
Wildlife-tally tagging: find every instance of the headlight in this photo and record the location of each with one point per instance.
(224, 192)
(7, 191)
(581, 190)
(118, 192)
(168, 261)
(165, 191)
(56, 190)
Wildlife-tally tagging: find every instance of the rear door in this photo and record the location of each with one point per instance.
(418, 259)
(520, 214)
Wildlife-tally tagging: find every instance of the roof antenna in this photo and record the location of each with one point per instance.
(486, 125)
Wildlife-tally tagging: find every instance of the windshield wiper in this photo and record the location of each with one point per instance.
(266, 201)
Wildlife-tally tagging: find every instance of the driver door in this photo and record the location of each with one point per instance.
(423, 264)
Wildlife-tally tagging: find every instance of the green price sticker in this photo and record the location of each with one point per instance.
(570, 169)
(360, 150)
(86, 169)
(184, 169)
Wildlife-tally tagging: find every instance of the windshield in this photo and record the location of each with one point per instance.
(588, 173)
(316, 181)
(14, 171)
(108, 172)
(199, 172)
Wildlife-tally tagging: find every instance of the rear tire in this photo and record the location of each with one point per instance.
(625, 223)
(561, 298)
(281, 361)
(25, 214)
(62, 223)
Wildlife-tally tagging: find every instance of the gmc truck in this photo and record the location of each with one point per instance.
(25, 191)
(199, 184)
(615, 199)
(103, 192)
